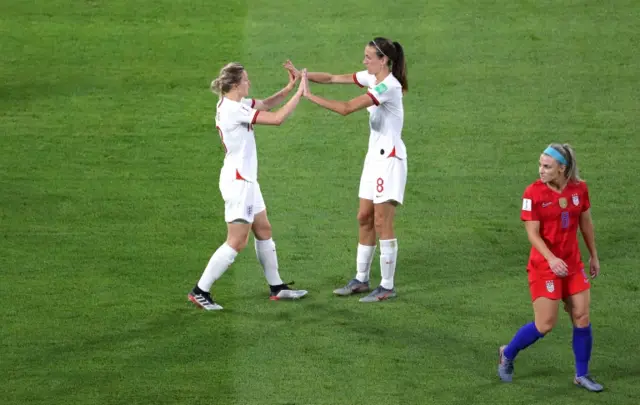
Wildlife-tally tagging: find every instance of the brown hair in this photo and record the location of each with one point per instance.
(395, 53)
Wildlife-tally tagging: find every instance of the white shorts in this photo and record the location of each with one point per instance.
(242, 200)
(383, 180)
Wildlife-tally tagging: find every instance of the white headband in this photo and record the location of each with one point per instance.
(378, 48)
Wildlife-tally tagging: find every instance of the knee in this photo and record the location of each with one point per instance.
(580, 319)
(365, 219)
(263, 232)
(238, 242)
(382, 223)
(545, 325)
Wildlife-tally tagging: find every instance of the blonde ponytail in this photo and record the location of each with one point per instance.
(571, 171)
(230, 75)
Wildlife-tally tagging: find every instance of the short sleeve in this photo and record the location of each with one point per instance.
(361, 78)
(245, 114)
(529, 211)
(586, 203)
(249, 102)
(382, 93)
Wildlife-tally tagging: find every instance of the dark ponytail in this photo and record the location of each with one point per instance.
(395, 54)
(399, 67)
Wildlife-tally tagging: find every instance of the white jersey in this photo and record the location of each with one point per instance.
(234, 122)
(386, 117)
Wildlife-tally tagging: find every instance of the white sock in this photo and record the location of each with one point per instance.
(218, 264)
(388, 257)
(268, 258)
(363, 262)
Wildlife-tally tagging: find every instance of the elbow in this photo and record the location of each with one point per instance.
(585, 226)
(587, 229)
(279, 118)
(347, 108)
(344, 111)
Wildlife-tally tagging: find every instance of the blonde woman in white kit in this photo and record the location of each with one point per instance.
(245, 209)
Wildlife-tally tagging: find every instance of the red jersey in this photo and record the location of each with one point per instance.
(559, 215)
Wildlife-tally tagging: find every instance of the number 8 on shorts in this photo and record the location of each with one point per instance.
(383, 180)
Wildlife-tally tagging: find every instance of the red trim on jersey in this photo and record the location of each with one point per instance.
(355, 80)
(239, 176)
(255, 117)
(253, 102)
(393, 152)
(375, 100)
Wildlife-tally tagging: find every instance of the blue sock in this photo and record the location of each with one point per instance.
(582, 343)
(525, 337)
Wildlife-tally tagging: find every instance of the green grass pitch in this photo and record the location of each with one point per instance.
(109, 205)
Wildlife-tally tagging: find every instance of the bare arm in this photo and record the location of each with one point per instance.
(328, 78)
(321, 77)
(557, 265)
(278, 117)
(343, 107)
(277, 98)
(533, 233)
(588, 234)
(586, 228)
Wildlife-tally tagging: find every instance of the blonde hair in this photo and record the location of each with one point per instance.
(571, 171)
(230, 75)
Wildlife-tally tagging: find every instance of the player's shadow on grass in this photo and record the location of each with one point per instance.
(542, 371)
(616, 373)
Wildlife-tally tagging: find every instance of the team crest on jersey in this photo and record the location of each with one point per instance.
(563, 202)
(550, 286)
(381, 88)
(575, 199)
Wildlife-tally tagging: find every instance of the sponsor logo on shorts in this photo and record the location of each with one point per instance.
(550, 286)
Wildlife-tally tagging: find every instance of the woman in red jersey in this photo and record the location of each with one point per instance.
(553, 208)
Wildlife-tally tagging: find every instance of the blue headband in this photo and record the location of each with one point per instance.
(556, 155)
